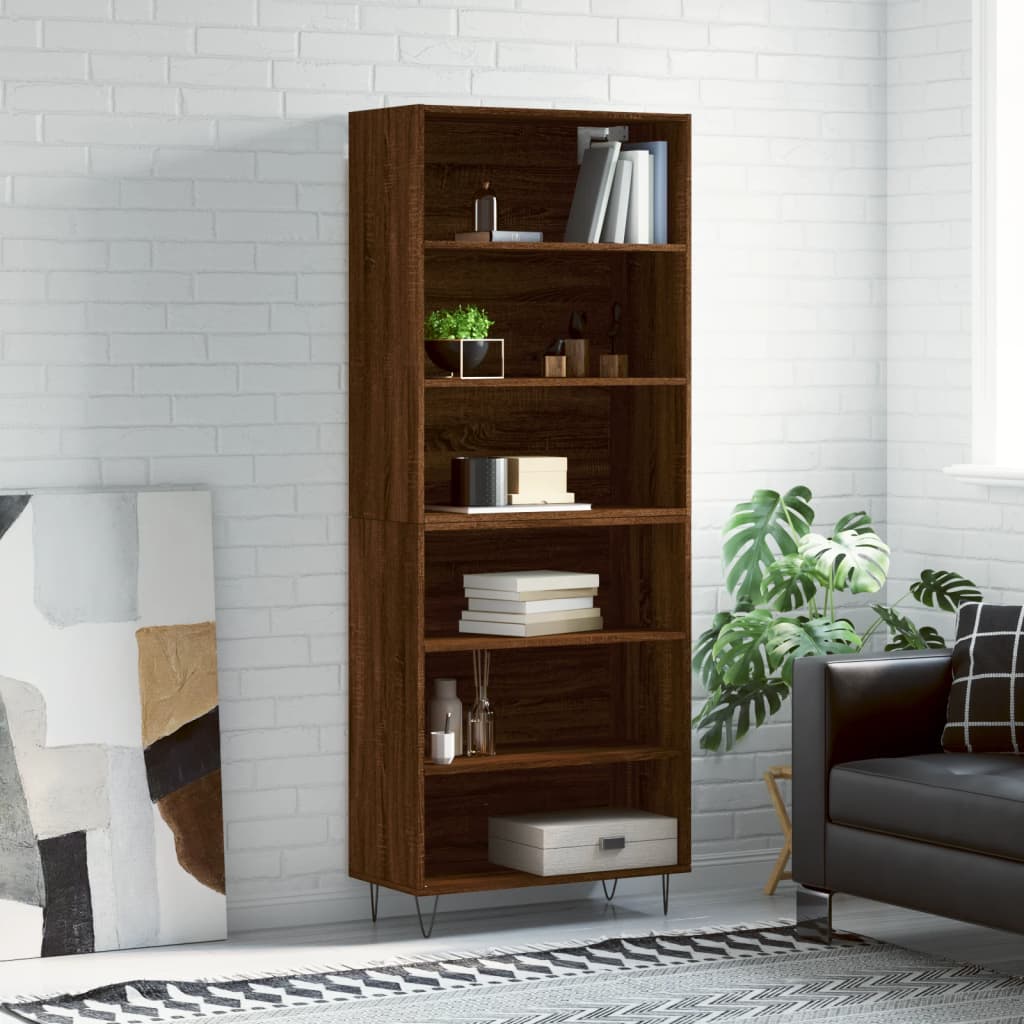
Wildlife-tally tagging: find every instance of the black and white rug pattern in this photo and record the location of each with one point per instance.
(714, 977)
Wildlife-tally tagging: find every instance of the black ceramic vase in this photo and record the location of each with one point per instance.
(444, 353)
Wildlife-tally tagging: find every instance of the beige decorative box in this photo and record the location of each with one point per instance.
(579, 842)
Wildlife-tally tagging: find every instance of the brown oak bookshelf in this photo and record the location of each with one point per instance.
(583, 720)
(450, 383)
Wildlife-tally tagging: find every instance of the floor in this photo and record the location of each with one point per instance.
(358, 944)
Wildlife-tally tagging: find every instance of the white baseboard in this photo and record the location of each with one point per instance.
(740, 870)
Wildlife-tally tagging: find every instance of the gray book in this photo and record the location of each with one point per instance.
(614, 229)
(593, 187)
(659, 186)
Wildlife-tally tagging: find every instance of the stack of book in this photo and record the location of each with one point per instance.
(539, 480)
(621, 194)
(535, 602)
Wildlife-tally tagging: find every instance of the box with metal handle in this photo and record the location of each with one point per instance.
(582, 841)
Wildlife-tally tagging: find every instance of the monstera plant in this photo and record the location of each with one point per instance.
(784, 579)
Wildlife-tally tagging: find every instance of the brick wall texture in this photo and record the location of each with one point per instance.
(173, 217)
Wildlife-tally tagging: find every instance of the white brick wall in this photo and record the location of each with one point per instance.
(173, 221)
(935, 520)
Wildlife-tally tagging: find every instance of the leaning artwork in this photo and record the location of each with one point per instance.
(111, 826)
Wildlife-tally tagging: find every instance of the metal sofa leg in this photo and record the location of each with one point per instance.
(814, 915)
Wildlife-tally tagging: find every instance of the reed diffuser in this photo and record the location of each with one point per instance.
(480, 723)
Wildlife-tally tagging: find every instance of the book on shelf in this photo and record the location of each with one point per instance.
(658, 151)
(483, 510)
(525, 618)
(614, 228)
(499, 236)
(538, 480)
(544, 499)
(593, 187)
(527, 481)
(558, 604)
(536, 595)
(638, 216)
(523, 464)
(533, 629)
(530, 579)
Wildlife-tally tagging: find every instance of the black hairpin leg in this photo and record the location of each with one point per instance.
(665, 879)
(609, 896)
(374, 901)
(433, 913)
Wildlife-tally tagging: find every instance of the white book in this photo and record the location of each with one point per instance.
(593, 187)
(639, 216)
(537, 629)
(530, 579)
(537, 464)
(558, 604)
(614, 229)
(536, 595)
(537, 498)
(525, 619)
(522, 481)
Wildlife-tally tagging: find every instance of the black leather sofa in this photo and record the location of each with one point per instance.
(880, 811)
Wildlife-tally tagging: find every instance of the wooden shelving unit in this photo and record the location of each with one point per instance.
(594, 719)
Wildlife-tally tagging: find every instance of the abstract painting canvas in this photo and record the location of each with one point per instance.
(111, 825)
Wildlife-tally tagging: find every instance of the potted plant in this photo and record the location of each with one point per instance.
(784, 579)
(456, 338)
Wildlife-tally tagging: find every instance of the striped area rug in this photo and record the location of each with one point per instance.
(762, 974)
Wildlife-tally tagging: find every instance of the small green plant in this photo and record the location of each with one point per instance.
(784, 580)
(460, 322)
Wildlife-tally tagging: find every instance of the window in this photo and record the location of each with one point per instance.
(998, 328)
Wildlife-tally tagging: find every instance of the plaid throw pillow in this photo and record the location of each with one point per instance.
(986, 703)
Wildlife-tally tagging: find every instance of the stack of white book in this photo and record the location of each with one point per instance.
(538, 480)
(536, 602)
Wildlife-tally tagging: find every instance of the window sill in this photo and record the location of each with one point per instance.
(987, 476)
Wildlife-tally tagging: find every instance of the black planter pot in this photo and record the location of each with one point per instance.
(444, 353)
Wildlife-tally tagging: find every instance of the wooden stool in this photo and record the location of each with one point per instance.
(779, 872)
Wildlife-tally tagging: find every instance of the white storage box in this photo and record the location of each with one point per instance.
(578, 842)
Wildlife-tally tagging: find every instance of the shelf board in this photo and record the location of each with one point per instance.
(437, 522)
(556, 382)
(576, 248)
(481, 875)
(481, 642)
(557, 758)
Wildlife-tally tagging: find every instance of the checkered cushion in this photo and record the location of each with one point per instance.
(986, 702)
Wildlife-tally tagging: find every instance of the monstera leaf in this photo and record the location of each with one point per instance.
(789, 639)
(739, 650)
(760, 530)
(857, 522)
(938, 588)
(855, 561)
(703, 656)
(791, 581)
(905, 636)
(727, 718)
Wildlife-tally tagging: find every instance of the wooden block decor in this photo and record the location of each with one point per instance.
(554, 366)
(577, 357)
(614, 366)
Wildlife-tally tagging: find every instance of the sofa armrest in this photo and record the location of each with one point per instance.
(852, 707)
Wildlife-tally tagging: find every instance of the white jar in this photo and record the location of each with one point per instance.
(445, 700)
